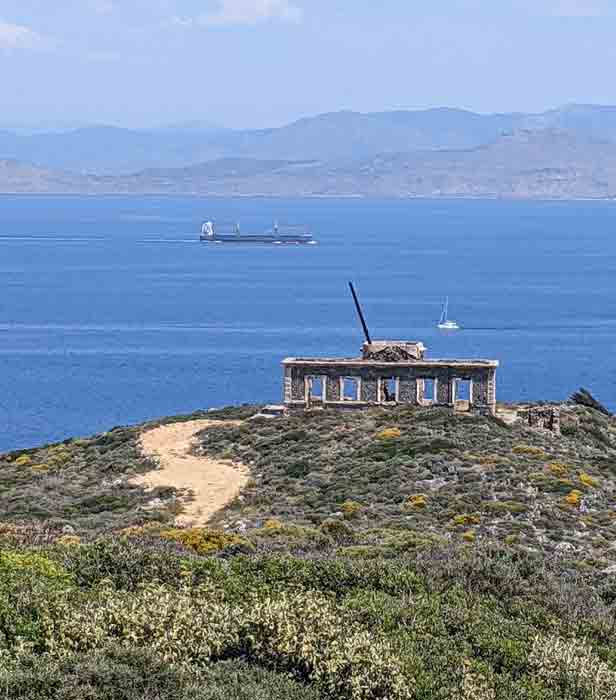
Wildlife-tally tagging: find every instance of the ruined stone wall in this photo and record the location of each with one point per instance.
(411, 386)
(541, 417)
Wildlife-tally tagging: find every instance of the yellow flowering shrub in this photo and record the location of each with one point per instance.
(389, 434)
(23, 461)
(273, 524)
(31, 562)
(351, 509)
(588, 480)
(469, 536)
(574, 498)
(152, 528)
(558, 469)
(466, 519)
(417, 500)
(59, 459)
(529, 451)
(40, 468)
(203, 540)
(68, 540)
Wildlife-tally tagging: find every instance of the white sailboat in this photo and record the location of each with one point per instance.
(444, 323)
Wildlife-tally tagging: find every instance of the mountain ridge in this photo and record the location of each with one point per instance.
(112, 150)
(520, 164)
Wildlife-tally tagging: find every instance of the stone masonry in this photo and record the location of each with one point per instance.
(390, 372)
(542, 417)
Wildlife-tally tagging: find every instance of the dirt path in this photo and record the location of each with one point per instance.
(213, 483)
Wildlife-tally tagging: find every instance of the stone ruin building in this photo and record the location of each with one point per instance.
(389, 373)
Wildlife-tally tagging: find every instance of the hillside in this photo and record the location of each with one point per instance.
(530, 164)
(546, 164)
(24, 178)
(379, 555)
(428, 475)
(331, 137)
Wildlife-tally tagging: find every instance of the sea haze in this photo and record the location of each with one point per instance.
(112, 312)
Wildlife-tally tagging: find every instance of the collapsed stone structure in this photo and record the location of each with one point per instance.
(390, 372)
(542, 417)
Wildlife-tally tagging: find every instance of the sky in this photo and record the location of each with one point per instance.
(258, 63)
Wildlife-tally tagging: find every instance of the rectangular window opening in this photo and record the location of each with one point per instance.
(350, 389)
(429, 390)
(463, 393)
(315, 389)
(389, 390)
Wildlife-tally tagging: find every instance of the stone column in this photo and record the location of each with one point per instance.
(332, 390)
(444, 389)
(492, 391)
(298, 385)
(369, 389)
(288, 384)
(409, 388)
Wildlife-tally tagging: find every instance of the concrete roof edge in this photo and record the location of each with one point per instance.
(479, 362)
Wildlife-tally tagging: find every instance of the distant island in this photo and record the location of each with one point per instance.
(566, 153)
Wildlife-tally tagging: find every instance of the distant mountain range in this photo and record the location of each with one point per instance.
(568, 152)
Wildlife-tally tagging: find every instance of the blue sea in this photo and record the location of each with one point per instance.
(112, 312)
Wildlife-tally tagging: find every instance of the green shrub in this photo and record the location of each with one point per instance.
(351, 509)
(338, 530)
(118, 673)
(205, 540)
(299, 633)
(571, 666)
(29, 584)
(303, 633)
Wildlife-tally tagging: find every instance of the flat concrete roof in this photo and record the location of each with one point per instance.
(359, 362)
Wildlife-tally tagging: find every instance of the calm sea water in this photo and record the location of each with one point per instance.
(111, 312)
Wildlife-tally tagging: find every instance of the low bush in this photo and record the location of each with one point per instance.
(118, 673)
(416, 500)
(351, 509)
(588, 481)
(205, 540)
(339, 531)
(389, 434)
(144, 618)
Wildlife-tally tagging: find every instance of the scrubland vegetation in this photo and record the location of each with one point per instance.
(381, 555)
(411, 476)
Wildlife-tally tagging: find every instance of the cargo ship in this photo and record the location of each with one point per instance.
(279, 235)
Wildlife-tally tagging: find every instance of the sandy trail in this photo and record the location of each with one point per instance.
(213, 483)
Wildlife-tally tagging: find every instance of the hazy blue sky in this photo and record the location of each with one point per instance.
(265, 62)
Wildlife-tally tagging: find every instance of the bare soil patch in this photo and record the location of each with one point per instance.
(212, 483)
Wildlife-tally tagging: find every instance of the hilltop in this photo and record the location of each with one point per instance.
(381, 554)
(409, 475)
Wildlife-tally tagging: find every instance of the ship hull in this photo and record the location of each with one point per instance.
(262, 240)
